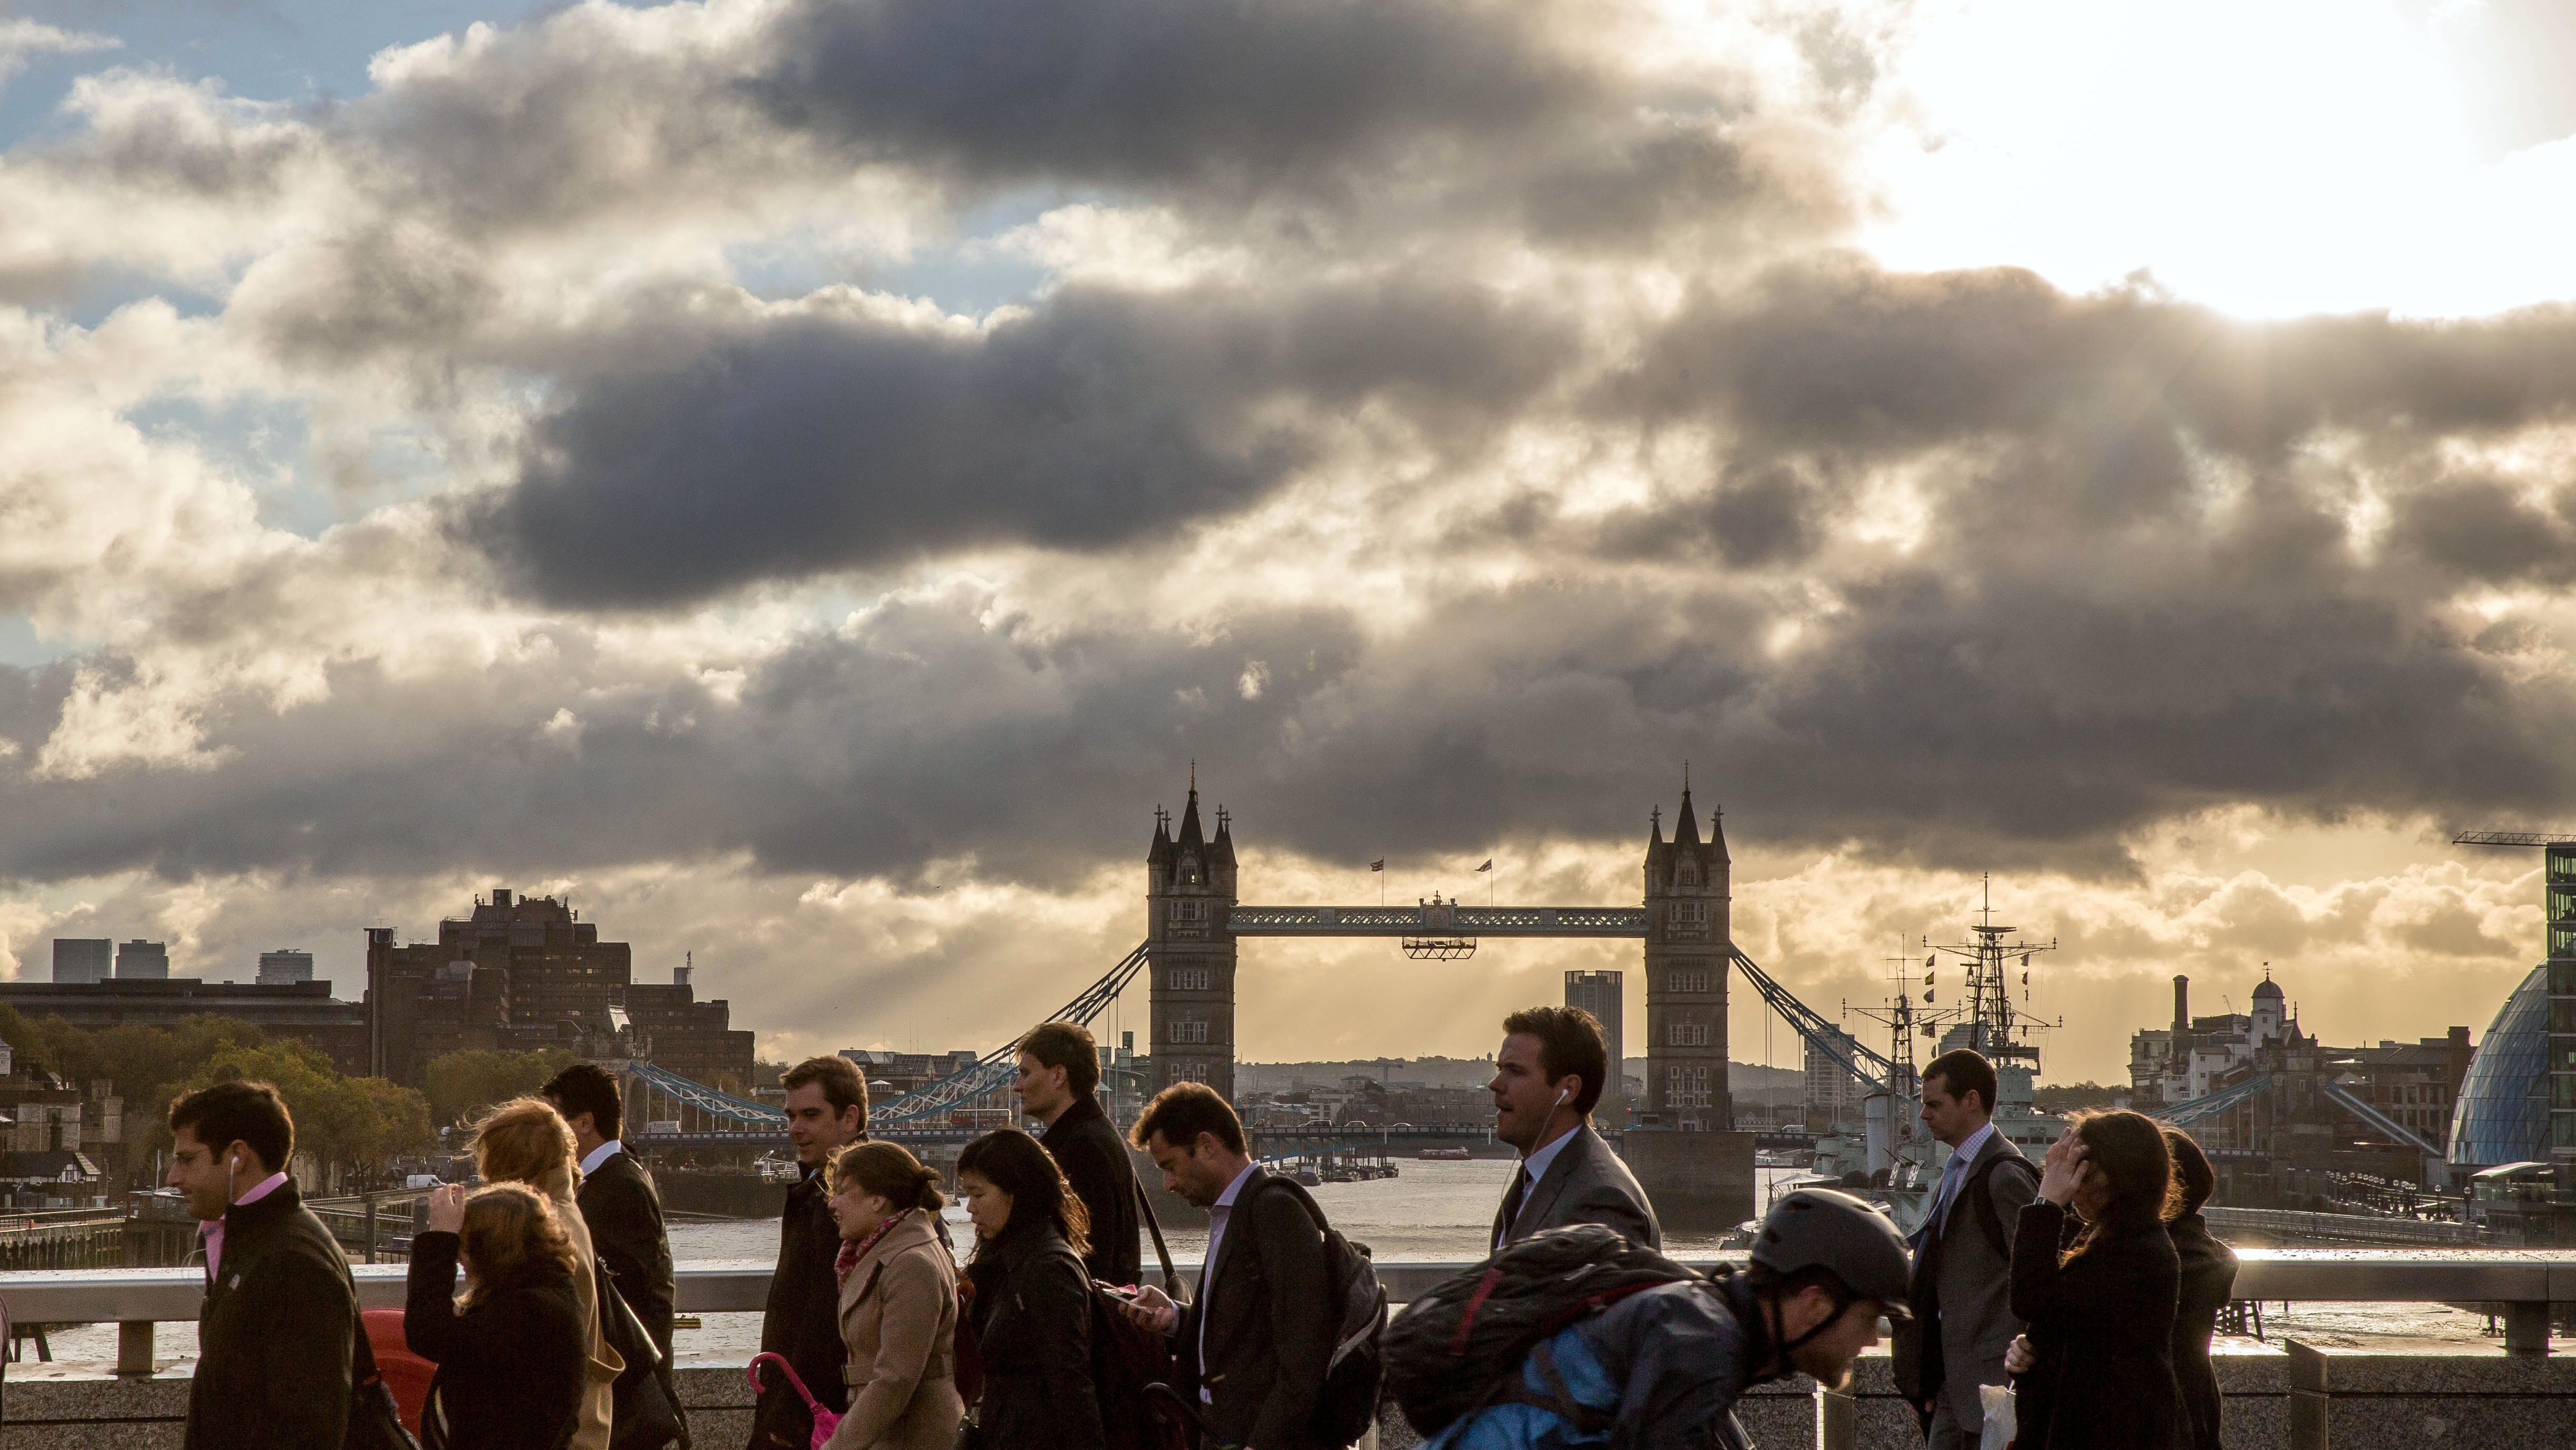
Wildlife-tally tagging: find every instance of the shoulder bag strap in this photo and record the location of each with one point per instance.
(1172, 1285)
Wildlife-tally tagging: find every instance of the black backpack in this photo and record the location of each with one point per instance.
(1347, 1405)
(1458, 1348)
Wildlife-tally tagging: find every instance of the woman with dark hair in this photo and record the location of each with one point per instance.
(509, 1349)
(2208, 1281)
(898, 1303)
(1032, 1309)
(2095, 1371)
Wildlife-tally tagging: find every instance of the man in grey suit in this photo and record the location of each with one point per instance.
(1962, 1289)
(1548, 1075)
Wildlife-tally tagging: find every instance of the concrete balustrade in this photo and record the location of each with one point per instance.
(2283, 1394)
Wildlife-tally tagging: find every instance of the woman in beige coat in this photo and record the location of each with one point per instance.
(898, 1303)
(526, 1141)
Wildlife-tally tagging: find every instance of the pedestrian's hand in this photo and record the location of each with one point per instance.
(447, 1208)
(2064, 1170)
(2018, 1358)
(1152, 1309)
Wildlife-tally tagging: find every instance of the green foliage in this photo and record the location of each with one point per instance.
(343, 1120)
(463, 1084)
(2067, 1097)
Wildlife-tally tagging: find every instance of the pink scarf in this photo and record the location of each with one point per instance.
(851, 1253)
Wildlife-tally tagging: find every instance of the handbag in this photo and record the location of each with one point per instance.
(825, 1421)
(641, 1415)
(375, 1421)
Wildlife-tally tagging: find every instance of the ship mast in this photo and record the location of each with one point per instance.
(1994, 1028)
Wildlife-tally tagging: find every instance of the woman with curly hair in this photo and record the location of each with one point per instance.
(1032, 1311)
(2095, 1371)
(526, 1141)
(509, 1349)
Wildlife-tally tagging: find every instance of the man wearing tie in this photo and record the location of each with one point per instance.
(1962, 1288)
(1550, 1071)
(1255, 1344)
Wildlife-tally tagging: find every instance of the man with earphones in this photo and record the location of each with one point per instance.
(277, 1341)
(1549, 1073)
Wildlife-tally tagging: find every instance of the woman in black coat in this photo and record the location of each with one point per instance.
(2095, 1370)
(2208, 1282)
(1032, 1310)
(509, 1351)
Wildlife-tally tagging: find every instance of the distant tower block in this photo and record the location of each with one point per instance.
(1189, 887)
(1604, 995)
(1689, 943)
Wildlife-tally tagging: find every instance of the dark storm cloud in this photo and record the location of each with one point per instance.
(1841, 354)
(1166, 93)
(788, 446)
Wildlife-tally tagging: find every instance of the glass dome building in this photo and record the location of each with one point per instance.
(2502, 1115)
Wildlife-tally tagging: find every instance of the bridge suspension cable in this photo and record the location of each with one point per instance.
(1854, 1056)
(997, 1067)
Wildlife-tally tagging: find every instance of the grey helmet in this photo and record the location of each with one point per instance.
(1818, 1228)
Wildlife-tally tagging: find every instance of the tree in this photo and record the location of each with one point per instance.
(343, 1122)
(463, 1084)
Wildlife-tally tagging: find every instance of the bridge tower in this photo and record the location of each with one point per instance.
(1689, 936)
(1189, 885)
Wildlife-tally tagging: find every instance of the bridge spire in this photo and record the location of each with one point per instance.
(1686, 830)
(1193, 836)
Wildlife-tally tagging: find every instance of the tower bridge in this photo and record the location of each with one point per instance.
(1682, 1147)
(1195, 923)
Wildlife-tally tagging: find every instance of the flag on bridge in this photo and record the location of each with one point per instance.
(1378, 865)
(1488, 866)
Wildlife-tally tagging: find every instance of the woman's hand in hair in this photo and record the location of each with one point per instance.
(2064, 1171)
(447, 1208)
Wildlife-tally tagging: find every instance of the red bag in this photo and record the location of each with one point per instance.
(404, 1373)
(967, 1350)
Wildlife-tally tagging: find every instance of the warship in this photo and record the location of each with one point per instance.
(1888, 1156)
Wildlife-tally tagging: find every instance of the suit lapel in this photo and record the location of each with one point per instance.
(1550, 1186)
(1238, 1223)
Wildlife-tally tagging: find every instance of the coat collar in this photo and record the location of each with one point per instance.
(261, 1214)
(1084, 1109)
(913, 1232)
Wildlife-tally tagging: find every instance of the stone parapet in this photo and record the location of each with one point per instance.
(2363, 1400)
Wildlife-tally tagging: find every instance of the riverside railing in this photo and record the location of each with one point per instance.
(2522, 1284)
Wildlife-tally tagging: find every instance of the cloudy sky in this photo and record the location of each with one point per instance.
(807, 477)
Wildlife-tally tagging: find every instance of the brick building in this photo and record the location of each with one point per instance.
(695, 1039)
(519, 974)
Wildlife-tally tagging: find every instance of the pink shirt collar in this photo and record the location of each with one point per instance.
(213, 1228)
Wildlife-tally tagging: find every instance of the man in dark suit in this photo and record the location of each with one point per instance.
(1547, 1077)
(277, 1342)
(1059, 1075)
(827, 1109)
(619, 1204)
(1254, 1345)
(1961, 1294)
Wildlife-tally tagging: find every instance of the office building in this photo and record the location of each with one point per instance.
(142, 961)
(2501, 1114)
(302, 1011)
(1833, 1094)
(278, 968)
(83, 959)
(1603, 994)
